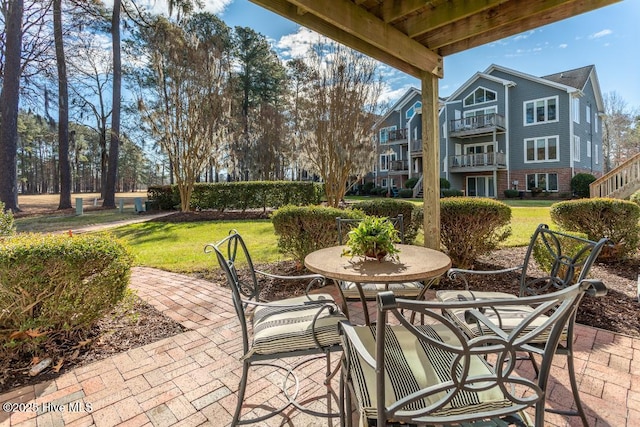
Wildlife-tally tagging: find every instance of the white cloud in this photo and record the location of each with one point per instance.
(161, 6)
(599, 34)
(524, 36)
(563, 46)
(296, 45)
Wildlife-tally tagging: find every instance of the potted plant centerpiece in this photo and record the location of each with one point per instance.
(374, 237)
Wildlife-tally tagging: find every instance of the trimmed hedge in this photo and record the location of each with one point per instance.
(635, 198)
(470, 227)
(52, 283)
(598, 218)
(391, 208)
(242, 195)
(304, 229)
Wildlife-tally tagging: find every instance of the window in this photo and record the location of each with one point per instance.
(588, 114)
(541, 149)
(576, 148)
(595, 124)
(541, 111)
(480, 186)
(542, 181)
(595, 151)
(576, 110)
(413, 109)
(480, 96)
(588, 148)
(385, 161)
(384, 134)
(384, 183)
(479, 118)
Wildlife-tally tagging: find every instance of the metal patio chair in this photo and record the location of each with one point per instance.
(271, 331)
(434, 374)
(566, 259)
(368, 291)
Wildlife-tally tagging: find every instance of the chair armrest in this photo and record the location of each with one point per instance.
(595, 288)
(320, 303)
(348, 331)
(459, 273)
(314, 279)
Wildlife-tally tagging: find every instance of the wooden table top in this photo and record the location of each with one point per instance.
(414, 263)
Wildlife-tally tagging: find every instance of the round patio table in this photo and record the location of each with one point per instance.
(414, 263)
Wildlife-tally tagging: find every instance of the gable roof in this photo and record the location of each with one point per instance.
(575, 78)
(409, 94)
(473, 79)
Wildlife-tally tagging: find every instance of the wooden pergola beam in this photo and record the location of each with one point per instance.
(503, 20)
(357, 22)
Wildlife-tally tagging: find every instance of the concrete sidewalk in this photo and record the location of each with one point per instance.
(191, 379)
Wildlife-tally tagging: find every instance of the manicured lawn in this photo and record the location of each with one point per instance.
(179, 247)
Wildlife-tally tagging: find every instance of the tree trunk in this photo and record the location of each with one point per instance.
(63, 109)
(9, 99)
(114, 144)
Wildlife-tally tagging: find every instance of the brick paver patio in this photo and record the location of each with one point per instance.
(191, 379)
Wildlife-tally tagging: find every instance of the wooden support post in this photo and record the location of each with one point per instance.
(431, 160)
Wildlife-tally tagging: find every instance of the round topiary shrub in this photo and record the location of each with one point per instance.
(54, 283)
(406, 193)
(444, 184)
(470, 227)
(304, 229)
(410, 183)
(510, 193)
(580, 184)
(391, 208)
(635, 198)
(598, 218)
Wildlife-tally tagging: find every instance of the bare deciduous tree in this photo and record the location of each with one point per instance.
(617, 145)
(187, 105)
(336, 115)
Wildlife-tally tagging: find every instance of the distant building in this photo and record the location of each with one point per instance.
(502, 129)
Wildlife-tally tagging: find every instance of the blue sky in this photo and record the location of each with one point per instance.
(608, 38)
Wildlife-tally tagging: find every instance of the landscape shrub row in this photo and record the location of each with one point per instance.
(304, 229)
(243, 195)
(598, 218)
(57, 283)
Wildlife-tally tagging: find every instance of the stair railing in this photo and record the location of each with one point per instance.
(620, 182)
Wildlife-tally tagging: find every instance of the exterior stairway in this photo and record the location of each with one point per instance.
(620, 183)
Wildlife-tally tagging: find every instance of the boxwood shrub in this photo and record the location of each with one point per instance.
(470, 227)
(53, 283)
(391, 208)
(601, 217)
(304, 229)
(242, 195)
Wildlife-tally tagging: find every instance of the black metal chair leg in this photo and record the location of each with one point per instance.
(241, 390)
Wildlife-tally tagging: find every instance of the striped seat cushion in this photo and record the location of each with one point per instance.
(278, 329)
(371, 290)
(412, 365)
(509, 316)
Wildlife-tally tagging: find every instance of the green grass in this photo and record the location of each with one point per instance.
(52, 223)
(179, 247)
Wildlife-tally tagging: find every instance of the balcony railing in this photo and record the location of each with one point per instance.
(399, 166)
(477, 124)
(487, 161)
(396, 135)
(416, 146)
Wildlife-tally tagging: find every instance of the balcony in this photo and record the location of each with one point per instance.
(477, 162)
(477, 125)
(396, 135)
(401, 166)
(416, 146)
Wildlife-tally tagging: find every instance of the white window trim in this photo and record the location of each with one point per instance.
(546, 149)
(576, 148)
(524, 111)
(576, 110)
(588, 149)
(387, 129)
(588, 113)
(464, 103)
(546, 174)
(597, 157)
